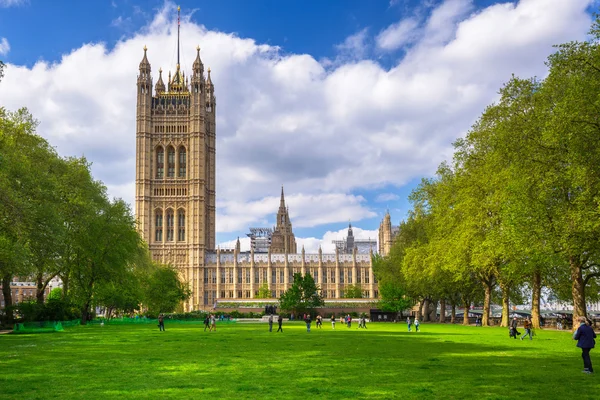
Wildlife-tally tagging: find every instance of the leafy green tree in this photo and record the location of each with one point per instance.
(164, 291)
(55, 294)
(264, 292)
(353, 292)
(303, 296)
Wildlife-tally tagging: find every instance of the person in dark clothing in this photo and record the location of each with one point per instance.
(513, 329)
(308, 321)
(585, 341)
(279, 321)
(207, 322)
(161, 322)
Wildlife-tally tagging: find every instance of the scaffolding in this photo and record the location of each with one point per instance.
(260, 239)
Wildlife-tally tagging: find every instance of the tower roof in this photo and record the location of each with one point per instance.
(145, 64)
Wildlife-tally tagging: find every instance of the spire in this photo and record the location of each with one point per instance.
(282, 201)
(145, 64)
(160, 85)
(209, 83)
(198, 67)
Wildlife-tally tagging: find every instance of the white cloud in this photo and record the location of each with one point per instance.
(286, 119)
(399, 34)
(311, 245)
(354, 47)
(13, 3)
(383, 197)
(4, 47)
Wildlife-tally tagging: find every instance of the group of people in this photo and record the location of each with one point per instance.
(279, 321)
(527, 326)
(210, 322)
(410, 323)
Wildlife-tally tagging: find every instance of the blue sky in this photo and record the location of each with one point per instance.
(347, 103)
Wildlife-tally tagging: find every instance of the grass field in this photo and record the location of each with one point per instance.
(245, 361)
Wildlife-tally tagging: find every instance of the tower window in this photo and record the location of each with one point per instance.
(158, 226)
(181, 225)
(170, 225)
(182, 162)
(160, 162)
(171, 162)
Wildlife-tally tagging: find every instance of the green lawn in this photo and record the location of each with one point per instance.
(245, 361)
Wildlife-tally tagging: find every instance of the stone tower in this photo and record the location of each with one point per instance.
(350, 240)
(175, 166)
(283, 240)
(385, 235)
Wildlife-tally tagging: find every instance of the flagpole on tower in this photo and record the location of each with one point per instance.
(178, 26)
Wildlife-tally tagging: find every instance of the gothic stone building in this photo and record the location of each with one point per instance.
(175, 202)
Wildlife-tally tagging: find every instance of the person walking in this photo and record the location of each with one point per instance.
(213, 323)
(207, 322)
(319, 322)
(349, 320)
(513, 328)
(585, 341)
(279, 322)
(271, 323)
(161, 323)
(364, 322)
(308, 321)
(332, 321)
(417, 325)
(527, 327)
(408, 322)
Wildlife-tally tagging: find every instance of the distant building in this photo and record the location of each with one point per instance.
(347, 245)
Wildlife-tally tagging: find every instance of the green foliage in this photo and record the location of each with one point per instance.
(264, 292)
(56, 309)
(353, 292)
(55, 294)
(164, 291)
(303, 296)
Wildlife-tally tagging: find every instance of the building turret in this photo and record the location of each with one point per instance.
(160, 85)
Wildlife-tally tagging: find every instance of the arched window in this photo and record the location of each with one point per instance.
(160, 162)
(170, 225)
(158, 225)
(171, 162)
(181, 225)
(182, 162)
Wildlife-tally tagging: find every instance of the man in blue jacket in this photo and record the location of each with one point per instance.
(585, 340)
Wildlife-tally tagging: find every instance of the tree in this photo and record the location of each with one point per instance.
(164, 291)
(303, 296)
(264, 292)
(353, 292)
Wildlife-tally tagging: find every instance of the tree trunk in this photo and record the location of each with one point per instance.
(487, 300)
(535, 298)
(85, 312)
(466, 313)
(425, 309)
(65, 286)
(7, 293)
(39, 291)
(433, 310)
(505, 304)
(453, 314)
(418, 312)
(443, 310)
(577, 289)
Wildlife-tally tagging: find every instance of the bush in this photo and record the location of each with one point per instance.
(52, 310)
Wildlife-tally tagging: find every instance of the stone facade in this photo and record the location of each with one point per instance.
(175, 202)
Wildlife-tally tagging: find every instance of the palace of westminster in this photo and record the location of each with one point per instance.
(175, 204)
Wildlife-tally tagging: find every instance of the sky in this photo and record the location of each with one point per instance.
(347, 104)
